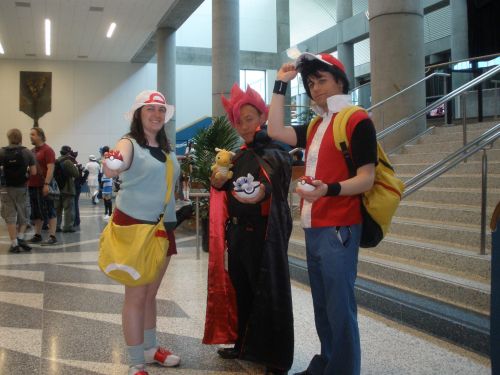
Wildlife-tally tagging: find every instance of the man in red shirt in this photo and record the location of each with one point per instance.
(330, 213)
(42, 206)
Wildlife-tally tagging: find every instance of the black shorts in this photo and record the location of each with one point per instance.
(42, 208)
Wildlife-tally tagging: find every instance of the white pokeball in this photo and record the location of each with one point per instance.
(305, 183)
(246, 187)
(113, 163)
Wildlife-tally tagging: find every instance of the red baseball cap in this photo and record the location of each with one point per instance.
(323, 57)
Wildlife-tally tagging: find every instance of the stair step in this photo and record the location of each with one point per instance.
(456, 261)
(434, 157)
(478, 126)
(444, 146)
(473, 295)
(462, 236)
(454, 196)
(470, 166)
(472, 292)
(451, 213)
(460, 181)
(454, 135)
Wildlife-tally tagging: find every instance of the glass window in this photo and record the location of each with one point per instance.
(256, 79)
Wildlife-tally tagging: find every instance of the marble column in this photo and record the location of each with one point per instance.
(166, 73)
(225, 50)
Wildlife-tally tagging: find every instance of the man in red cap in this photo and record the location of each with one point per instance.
(330, 214)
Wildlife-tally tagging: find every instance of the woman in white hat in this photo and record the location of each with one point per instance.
(144, 152)
(93, 179)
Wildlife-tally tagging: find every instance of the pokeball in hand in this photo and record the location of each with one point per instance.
(114, 159)
(246, 187)
(305, 183)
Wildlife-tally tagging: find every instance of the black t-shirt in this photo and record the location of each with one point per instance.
(363, 142)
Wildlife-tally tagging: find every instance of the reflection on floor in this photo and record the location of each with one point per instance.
(60, 315)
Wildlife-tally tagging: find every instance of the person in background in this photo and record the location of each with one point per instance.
(94, 169)
(17, 163)
(107, 195)
(42, 205)
(64, 204)
(331, 213)
(141, 198)
(79, 182)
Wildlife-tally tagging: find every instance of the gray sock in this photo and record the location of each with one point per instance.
(150, 338)
(136, 355)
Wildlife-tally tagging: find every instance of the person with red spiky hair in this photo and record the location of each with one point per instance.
(256, 229)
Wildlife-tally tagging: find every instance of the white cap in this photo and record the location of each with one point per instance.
(92, 158)
(150, 97)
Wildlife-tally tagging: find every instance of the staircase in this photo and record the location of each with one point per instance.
(429, 263)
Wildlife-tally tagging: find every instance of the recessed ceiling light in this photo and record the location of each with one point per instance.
(47, 37)
(23, 4)
(96, 9)
(82, 57)
(30, 54)
(1, 49)
(111, 30)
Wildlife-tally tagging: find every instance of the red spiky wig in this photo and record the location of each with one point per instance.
(239, 98)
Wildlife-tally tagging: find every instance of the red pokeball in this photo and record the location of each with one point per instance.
(304, 183)
(114, 159)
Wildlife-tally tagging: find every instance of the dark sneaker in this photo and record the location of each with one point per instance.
(50, 241)
(15, 249)
(69, 230)
(58, 229)
(37, 238)
(228, 353)
(24, 245)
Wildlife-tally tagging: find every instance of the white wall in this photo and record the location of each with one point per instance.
(88, 101)
(193, 93)
(257, 26)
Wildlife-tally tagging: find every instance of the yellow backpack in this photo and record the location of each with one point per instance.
(380, 202)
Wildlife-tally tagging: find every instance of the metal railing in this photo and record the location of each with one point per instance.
(431, 173)
(396, 126)
(197, 197)
(408, 88)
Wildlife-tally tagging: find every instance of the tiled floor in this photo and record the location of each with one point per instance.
(60, 315)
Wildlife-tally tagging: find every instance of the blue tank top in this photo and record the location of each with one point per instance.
(143, 188)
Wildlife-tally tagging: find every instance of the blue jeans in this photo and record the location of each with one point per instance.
(332, 259)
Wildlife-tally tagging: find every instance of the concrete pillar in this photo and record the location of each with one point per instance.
(166, 73)
(397, 61)
(345, 50)
(225, 50)
(283, 42)
(459, 39)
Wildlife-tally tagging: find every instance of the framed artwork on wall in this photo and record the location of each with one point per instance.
(35, 94)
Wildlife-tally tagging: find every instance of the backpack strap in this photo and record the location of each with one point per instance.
(312, 124)
(340, 135)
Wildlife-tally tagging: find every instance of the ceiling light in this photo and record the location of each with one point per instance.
(1, 49)
(111, 30)
(47, 37)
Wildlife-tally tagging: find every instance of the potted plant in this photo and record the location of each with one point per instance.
(222, 135)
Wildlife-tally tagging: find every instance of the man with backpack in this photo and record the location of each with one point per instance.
(65, 173)
(16, 162)
(331, 212)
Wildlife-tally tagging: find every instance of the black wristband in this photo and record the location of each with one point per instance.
(333, 189)
(280, 87)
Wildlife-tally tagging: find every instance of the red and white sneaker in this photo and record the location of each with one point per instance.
(161, 356)
(137, 370)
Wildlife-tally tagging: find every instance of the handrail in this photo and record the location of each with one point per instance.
(436, 170)
(428, 67)
(406, 89)
(391, 129)
(494, 130)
